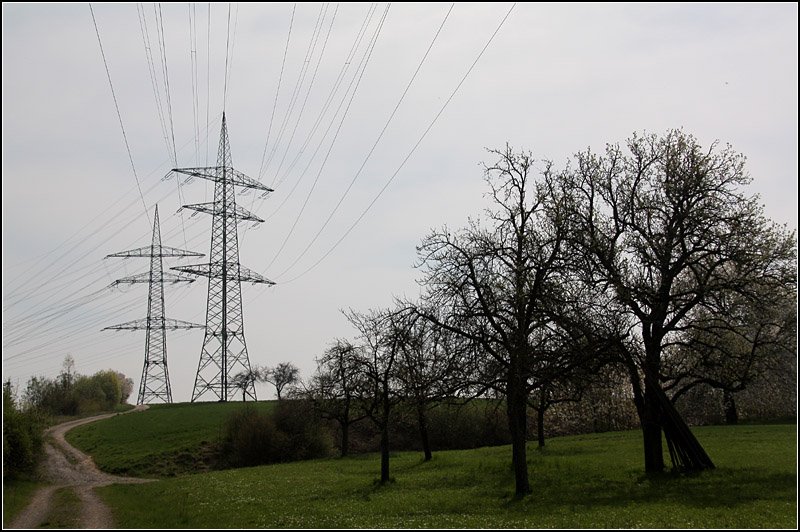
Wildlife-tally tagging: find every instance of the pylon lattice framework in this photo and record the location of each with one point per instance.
(224, 351)
(155, 383)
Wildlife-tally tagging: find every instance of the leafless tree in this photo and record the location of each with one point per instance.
(491, 282)
(281, 376)
(335, 387)
(664, 225)
(244, 380)
(380, 337)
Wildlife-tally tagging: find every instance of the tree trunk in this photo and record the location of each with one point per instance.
(540, 425)
(385, 451)
(345, 426)
(731, 415)
(651, 430)
(540, 416)
(385, 434)
(518, 424)
(423, 433)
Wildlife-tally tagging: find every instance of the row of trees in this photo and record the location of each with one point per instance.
(647, 260)
(71, 393)
(282, 376)
(67, 394)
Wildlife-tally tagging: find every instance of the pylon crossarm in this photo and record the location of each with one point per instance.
(167, 277)
(223, 174)
(161, 251)
(141, 324)
(233, 272)
(213, 208)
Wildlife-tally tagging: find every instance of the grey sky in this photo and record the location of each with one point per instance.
(556, 79)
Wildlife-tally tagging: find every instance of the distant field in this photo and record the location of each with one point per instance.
(578, 482)
(162, 441)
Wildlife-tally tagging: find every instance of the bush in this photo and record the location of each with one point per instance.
(291, 432)
(71, 394)
(307, 437)
(22, 437)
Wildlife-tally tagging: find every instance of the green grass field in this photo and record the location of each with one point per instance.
(165, 440)
(578, 482)
(17, 493)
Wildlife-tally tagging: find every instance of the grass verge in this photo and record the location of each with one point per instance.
(164, 440)
(589, 481)
(65, 510)
(17, 493)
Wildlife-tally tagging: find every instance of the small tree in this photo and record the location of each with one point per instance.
(381, 334)
(281, 376)
(429, 368)
(733, 341)
(335, 387)
(245, 380)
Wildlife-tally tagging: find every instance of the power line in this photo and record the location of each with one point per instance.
(277, 92)
(410, 153)
(374, 145)
(365, 62)
(119, 115)
(334, 89)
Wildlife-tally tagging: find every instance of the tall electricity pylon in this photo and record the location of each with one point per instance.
(224, 352)
(155, 374)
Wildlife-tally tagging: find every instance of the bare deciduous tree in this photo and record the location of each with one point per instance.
(665, 224)
(335, 387)
(491, 283)
(281, 376)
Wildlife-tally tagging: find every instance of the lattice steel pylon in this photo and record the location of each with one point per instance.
(224, 351)
(155, 383)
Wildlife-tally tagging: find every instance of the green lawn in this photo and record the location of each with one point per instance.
(578, 482)
(65, 513)
(17, 493)
(164, 440)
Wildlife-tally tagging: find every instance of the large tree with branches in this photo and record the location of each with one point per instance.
(665, 225)
(491, 283)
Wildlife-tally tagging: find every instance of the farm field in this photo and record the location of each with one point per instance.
(166, 440)
(587, 481)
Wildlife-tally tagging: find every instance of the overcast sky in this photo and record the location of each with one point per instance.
(555, 79)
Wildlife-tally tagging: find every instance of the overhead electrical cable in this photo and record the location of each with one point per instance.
(374, 145)
(119, 114)
(410, 153)
(365, 62)
(277, 92)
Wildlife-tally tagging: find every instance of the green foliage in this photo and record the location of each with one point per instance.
(589, 481)
(165, 440)
(70, 394)
(290, 432)
(22, 437)
(17, 493)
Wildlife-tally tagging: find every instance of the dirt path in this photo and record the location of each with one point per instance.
(66, 466)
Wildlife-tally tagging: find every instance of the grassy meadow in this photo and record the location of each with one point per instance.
(165, 440)
(586, 481)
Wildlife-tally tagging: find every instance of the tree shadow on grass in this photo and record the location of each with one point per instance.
(721, 488)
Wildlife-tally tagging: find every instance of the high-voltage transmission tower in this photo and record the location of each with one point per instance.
(224, 352)
(155, 375)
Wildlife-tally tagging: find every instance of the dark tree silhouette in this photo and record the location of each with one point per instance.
(429, 368)
(335, 388)
(381, 334)
(281, 376)
(734, 340)
(664, 224)
(244, 380)
(491, 282)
